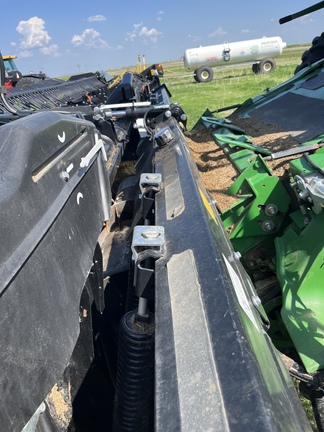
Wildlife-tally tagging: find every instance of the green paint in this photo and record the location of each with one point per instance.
(300, 270)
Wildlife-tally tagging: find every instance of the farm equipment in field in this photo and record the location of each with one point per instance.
(128, 301)
(14, 78)
(258, 52)
(12, 75)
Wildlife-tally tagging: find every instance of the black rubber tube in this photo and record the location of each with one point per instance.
(313, 165)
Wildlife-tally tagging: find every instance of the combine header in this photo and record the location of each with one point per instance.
(275, 143)
(129, 302)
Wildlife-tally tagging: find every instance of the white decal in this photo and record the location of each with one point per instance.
(240, 292)
(69, 168)
(61, 138)
(79, 196)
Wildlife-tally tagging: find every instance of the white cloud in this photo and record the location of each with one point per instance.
(133, 34)
(90, 38)
(306, 19)
(151, 34)
(143, 32)
(219, 31)
(25, 54)
(33, 32)
(195, 38)
(97, 18)
(52, 50)
(160, 13)
(248, 32)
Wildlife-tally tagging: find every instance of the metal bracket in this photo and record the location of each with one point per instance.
(99, 145)
(150, 183)
(150, 180)
(147, 246)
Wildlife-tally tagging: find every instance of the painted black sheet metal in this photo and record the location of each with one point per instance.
(301, 115)
(49, 229)
(314, 82)
(216, 368)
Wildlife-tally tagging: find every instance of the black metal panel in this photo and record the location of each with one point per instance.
(124, 92)
(216, 369)
(49, 230)
(33, 164)
(305, 119)
(314, 82)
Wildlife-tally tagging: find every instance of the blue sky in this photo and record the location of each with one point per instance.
(65, 37)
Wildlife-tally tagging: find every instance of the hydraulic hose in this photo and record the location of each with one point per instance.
(313, 165)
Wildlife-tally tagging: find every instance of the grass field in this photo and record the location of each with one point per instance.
(231, 85)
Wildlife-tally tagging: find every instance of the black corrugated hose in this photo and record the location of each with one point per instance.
(134, 396)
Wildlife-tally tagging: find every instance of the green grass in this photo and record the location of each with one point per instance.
(230, 86)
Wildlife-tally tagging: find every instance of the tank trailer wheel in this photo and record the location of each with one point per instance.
(267, 65)
(204, 74)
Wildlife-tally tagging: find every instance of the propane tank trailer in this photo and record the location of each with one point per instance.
(259, 52)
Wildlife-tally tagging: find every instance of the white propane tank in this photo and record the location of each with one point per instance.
(202, 59)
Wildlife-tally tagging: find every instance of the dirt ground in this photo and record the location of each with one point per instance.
(216, 170)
